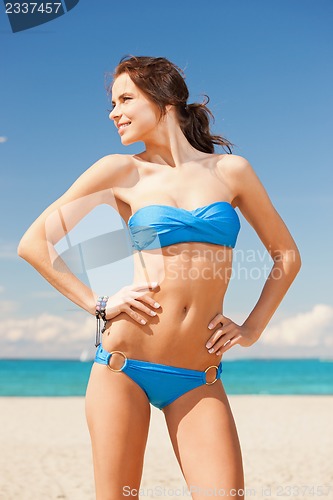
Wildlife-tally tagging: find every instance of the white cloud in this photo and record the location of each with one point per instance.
(2, 289)
(47, 335)
(46, 327)
(308, 329)
(3, 139)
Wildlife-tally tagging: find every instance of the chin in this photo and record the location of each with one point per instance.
(128, 141)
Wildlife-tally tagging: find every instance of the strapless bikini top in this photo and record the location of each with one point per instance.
(156, 226)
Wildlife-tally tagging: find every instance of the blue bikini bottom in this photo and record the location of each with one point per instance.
(162, 384)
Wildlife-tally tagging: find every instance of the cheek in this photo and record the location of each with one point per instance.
(149, 120)
(146, 115)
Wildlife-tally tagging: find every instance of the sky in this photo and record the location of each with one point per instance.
(267, 68)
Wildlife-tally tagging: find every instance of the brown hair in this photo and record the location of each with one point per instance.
(164, 83)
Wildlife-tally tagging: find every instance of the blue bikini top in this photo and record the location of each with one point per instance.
(156, 226)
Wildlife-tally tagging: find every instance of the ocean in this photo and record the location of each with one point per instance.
(251, 376)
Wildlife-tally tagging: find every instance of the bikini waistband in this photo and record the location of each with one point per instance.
(103, 357)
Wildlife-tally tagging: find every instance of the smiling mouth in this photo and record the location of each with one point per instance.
(123, 125)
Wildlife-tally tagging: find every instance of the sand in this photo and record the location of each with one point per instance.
(286, 443)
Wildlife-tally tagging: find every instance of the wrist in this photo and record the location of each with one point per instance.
(92, 304)
(254, 331)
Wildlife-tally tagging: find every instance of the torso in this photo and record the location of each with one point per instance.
(193, 277)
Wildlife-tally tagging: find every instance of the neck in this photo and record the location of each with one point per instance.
(168, 145)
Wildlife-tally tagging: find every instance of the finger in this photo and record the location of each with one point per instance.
(218, 333)
(228, 346)
(219, 343)
(214, 338)
(141, 307)
(151, 302)
(134, 315)
(219, 318)
(147, 299)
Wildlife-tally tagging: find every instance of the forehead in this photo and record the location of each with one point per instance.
(123, 84)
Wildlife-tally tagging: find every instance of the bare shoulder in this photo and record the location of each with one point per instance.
(111, 168)
(236, 171)
(107, 172)
(233, 165)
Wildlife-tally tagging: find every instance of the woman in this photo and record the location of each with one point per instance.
(163, 342)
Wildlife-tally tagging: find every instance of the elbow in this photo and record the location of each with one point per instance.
(34, 250)
(32, 245)
(290, 257)
(296, 261)
(22, 250)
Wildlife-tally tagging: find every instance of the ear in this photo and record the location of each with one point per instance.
(168, 107)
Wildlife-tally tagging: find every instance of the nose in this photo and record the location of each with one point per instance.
(116, 111)
(113, 114)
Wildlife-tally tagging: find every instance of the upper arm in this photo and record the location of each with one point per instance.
(92, 188)
(257, 208)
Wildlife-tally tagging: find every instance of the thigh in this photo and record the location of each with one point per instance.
(205, 441)
(118, 415)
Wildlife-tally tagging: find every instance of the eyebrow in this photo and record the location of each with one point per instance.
(123, 95)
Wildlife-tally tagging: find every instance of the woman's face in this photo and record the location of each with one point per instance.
(134, 115)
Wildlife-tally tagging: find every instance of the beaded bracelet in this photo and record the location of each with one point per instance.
(100, 314)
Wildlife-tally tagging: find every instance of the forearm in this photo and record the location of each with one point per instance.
(278, 282)
(60, 277)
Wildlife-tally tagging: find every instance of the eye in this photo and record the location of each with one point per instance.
(124, 98)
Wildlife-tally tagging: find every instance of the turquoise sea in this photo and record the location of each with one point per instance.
(255, 376)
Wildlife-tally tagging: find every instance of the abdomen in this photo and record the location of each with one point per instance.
(193, 278)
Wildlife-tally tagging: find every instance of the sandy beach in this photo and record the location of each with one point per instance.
(287, 444)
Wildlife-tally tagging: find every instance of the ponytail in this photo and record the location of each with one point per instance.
(194, 123)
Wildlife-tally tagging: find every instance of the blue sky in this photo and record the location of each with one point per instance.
(267, 68)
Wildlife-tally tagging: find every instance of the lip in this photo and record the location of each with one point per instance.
(121, 130)
(123, 123)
